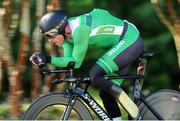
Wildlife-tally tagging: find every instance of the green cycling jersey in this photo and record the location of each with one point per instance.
(104, 31)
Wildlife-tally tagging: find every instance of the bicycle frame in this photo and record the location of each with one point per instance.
(74, 92)
(88, 99)
(91, 102)
(137, 95)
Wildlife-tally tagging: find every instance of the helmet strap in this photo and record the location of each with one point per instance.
(62, 31)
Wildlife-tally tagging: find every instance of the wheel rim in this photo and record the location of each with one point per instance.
(54, 112)
(167, 103)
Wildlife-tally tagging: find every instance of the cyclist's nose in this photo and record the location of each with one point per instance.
(49, 40)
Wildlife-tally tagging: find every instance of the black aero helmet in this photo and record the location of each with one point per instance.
(56, 19)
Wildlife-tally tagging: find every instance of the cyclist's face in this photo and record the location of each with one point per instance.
(57, 40)
(53, 36)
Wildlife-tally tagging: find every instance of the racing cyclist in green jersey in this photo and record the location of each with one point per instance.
(97, 28)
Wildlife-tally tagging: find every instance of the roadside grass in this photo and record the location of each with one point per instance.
(4, 111)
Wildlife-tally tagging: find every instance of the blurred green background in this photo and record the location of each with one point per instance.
(20, 38)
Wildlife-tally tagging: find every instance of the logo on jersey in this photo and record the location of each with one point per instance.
(112, 51)
(106, 29)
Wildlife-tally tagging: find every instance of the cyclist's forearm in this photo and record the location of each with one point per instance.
(64, 61)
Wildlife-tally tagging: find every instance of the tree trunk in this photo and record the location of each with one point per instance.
(37, 45)
(173, 24)
(21, 59)
(6, 55)
(1, 75)
(1, 50)
(175, 21)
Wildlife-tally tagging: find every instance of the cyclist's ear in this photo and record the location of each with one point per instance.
(71, 65)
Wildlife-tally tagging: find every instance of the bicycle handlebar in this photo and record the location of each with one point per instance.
(45, 70)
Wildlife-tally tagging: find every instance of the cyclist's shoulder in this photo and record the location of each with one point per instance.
(76, 17)
(78, 24)
(99, 10)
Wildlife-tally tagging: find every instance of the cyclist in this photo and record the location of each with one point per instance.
(97, 28)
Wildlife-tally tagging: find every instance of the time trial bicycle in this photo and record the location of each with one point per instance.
(76, 103)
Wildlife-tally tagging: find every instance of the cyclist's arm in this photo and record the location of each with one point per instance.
(68, 48)
(80, 40)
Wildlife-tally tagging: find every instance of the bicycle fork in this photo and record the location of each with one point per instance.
(68, 108)
(72, 99)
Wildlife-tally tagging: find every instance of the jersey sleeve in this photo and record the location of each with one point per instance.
(68, 48)
(77, 51)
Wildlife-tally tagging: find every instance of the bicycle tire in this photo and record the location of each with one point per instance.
(166, 102)
(56, 99)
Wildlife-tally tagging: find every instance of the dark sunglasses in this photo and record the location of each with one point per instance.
(54, 32)
(51, 33)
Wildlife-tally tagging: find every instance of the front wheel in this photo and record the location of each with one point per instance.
(52, 106)
(165, 102)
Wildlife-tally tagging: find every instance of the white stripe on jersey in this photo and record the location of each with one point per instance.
(74, 24)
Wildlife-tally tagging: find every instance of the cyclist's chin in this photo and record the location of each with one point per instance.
(58, 45)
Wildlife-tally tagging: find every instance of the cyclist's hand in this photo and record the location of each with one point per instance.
(38, 59)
